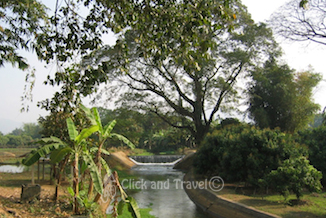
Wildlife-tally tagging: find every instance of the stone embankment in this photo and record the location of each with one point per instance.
(218, 206)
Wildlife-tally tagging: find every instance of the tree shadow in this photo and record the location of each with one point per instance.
(260, 202)
(294, 214)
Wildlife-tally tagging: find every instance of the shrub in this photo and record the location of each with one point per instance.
(295, 174)
(315, 139)
(243, 153)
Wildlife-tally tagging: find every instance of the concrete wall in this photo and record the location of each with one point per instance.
(220, 207)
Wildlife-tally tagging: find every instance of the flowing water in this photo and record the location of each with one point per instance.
(161, 189)
(11, 169)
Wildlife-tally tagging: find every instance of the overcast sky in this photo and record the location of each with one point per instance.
(12, 81)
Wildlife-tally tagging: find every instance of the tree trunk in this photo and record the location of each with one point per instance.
(75, 184)
(56, 194)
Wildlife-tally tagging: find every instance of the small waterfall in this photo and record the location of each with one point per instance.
(156, 159)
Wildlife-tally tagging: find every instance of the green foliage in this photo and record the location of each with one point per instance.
(79, 149)
(185, 68)
(21, 137)
(280, 98)
(67, 34)
(90, 208)
(17, 140)
(315, 139)
(20, 22)
(229, 121)
(3, 140)
(243, 153)
(170, 139)
(304, 3)
(294, 175)
(33, 130)
(124, 212)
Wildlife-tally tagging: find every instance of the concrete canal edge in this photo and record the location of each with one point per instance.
(119, 160)
(218, 206)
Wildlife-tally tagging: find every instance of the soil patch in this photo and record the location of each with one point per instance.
(46, 207)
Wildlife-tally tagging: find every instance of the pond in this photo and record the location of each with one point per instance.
(160, 188)
(12, 168)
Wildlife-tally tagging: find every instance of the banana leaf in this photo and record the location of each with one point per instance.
(89, 114)
(95, 174)
(108, 128)
(85, 133)
(105, 166)
(35, 155)
(133, 207)
(73, 133)
(124, 140)
(97, 119)
(59, 154)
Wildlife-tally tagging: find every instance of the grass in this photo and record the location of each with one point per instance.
(140, 152)
(313, 204)
(144, 212)
(11, 155)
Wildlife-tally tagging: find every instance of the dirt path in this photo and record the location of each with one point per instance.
(10, 205)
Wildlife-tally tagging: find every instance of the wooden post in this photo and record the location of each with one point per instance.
(50, 174)
(43, 169)
(33, 182)
(38, 170)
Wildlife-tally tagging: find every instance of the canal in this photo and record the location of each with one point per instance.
(160, 188)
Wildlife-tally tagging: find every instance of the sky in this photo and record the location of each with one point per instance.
(12, 80)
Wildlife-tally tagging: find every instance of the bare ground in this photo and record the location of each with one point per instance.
(46, 207)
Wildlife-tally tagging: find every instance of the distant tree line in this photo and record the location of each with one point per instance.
(21, 137)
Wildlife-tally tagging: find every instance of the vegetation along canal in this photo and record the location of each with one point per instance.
(160, 188)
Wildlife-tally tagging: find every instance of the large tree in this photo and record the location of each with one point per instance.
(301, 21)
(278, 97)
(192, 68)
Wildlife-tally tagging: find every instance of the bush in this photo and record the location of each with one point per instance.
(243, 153)
(295, 174)
(315, 139)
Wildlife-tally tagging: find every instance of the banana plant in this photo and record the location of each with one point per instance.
(103, 134)
(77, 148)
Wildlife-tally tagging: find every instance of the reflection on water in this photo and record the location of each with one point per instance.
(161, 189)
(11, 169)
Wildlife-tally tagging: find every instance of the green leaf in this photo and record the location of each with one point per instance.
(120, 207)
(105, 166)
(95, 149)
(303, 4)
(108, 128)
(97, 119)
(71, 191)
(89, 114)
(133, 207)
(59, 154)
(85, 133)
(124, 140)
(83, 167)
(71, 129)
(35, 155)
(95, 174)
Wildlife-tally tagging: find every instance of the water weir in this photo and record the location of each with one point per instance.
(156, 159)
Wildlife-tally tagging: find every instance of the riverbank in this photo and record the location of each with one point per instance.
(233, 202)
(218, 206)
